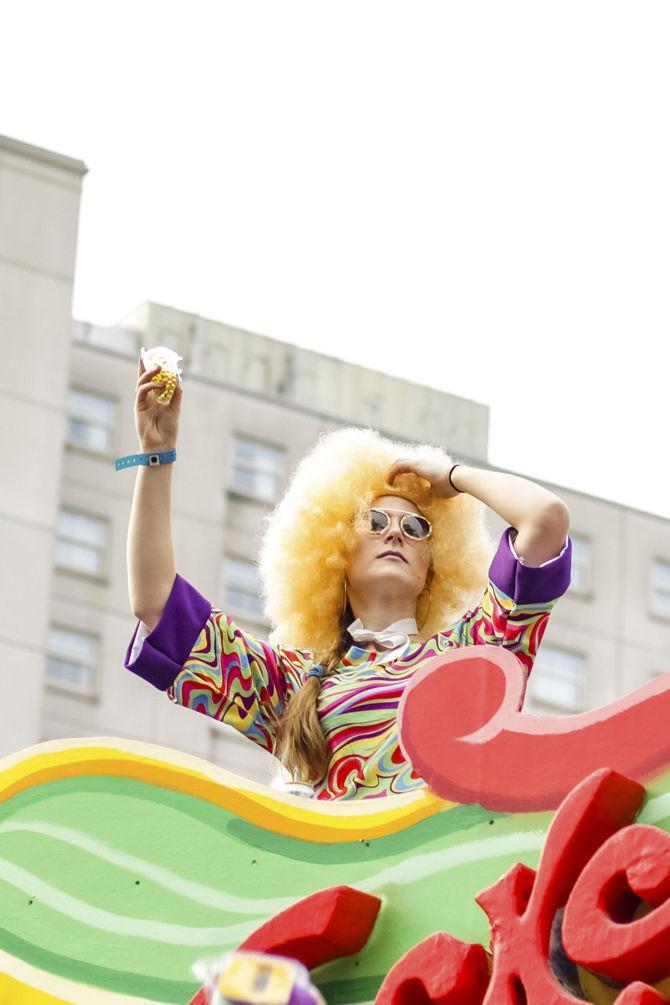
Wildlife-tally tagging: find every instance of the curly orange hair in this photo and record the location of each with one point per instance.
(308, 537)
(304, 556)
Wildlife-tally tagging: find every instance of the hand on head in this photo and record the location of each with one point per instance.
(435, 474)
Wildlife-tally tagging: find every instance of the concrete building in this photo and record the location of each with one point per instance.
(39, 212)
(252, 406)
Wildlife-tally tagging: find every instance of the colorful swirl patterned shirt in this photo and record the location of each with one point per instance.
(204, 661)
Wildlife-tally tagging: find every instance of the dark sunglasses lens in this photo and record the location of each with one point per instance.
(416, 526)
(378, 521)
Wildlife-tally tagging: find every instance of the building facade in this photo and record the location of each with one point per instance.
(39, 211)
(252, 406)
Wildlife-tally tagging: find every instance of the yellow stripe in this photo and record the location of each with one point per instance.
(14, 992)
(348, 820)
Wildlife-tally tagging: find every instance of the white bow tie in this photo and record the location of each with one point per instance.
(394, 635)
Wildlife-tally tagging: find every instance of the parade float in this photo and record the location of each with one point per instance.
(533, 868)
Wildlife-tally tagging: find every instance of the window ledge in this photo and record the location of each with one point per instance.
(655, 615)
(240, 614)
(92, 697)
(90, 577)
(249, 496)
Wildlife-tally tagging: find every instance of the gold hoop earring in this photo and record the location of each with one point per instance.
(428, 609)
(344, 596)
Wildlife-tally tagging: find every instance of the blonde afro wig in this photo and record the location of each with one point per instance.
(308, 537)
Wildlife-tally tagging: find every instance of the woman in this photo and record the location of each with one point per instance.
(368, 563)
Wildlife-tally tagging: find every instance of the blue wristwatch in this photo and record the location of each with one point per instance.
(149, 460)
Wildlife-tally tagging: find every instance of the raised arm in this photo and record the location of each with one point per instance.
(150, 552)
(531, 567)
(181, 644)
(541, 518)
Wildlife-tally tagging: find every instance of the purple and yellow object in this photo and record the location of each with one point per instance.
(244, 978)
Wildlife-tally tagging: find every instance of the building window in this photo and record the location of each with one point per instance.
(557, 679)
(660, 588)
(81, 542)
(243, 587)
(71, 660)
(91, 420)
(257, 469)
(580, 571)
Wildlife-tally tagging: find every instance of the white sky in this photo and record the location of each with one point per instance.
(472, 195)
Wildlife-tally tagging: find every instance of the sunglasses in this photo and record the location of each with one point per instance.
(413, 526)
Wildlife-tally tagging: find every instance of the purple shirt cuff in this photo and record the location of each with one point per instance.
(167, 647)
(526, 584)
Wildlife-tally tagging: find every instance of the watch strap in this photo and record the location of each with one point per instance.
(150, 460)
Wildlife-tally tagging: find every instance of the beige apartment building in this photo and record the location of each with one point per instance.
(252, 406)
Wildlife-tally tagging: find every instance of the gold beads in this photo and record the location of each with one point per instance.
(170, 384)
